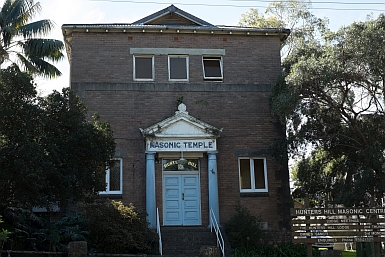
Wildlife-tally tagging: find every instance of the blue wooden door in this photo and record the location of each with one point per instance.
(181, 204)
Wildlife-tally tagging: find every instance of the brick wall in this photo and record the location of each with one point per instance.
(101, 72)
(105, 57)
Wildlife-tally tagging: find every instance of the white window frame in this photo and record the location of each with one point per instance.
(152, 67)
(187, 67)
(114, 192)
(216, 58)
(252, 176)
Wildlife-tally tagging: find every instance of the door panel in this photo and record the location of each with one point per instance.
(181, 200)
(172, 202)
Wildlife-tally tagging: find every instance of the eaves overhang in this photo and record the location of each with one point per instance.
(69, 29)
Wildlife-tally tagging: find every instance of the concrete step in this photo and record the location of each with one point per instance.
(186, 241)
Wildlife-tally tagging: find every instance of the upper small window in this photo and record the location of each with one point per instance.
(178, 67)
(144, 68)
(114, 178)
(252, 175)
(212, 68)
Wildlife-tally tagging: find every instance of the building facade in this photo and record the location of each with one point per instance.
(189, 106)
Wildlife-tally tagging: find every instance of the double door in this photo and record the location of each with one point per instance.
(181, 200)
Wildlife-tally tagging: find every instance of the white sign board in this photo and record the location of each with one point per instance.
(198, 145)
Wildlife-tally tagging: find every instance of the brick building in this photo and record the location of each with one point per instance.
(189, 106)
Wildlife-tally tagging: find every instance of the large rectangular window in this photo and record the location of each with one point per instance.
(143, 67)
(252, 175)
(114, 175)
(178, 67)
(212, 68)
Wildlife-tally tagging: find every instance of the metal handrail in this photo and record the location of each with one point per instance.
(158, 231)
(214, 224)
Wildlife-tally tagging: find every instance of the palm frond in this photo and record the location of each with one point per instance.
(37, 28)
(48, 49)
(8, 33)
(15, 14)
(39, 66)
(34, 53)
(22, 11)
(27, 64)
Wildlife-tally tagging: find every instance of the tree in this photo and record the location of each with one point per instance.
(317, 177)
(294, 15)
(332, 98)
(253, 18)
(49, 151)
(22, 41)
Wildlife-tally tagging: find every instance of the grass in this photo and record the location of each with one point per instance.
(349, 253)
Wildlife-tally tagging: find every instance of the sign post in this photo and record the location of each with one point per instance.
(308, 246)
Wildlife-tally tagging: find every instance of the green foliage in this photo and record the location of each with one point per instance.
(179, 100)
(55, 236)
(253, 18)
(116, 228)
(244, 230)
(332, 101)
(36, 232)
(292, 14)
(49, 152)
(282, 249)
(318, 177)
(20, 40)
(4, 235)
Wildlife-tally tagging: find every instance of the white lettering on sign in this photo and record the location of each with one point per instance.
(375, 211)
(350, 211)
(308, 212)
(181, 145)
(326, 240)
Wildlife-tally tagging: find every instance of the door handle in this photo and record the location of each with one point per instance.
(182, 196)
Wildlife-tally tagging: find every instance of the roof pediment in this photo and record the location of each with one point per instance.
(172, 16)
(181, 125)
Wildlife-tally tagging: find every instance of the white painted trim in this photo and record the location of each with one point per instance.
(191, 155)
(177, 51)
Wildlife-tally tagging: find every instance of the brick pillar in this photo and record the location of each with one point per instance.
(77, 249)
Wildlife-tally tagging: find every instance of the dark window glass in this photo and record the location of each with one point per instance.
(143, 68)
(115, 176)
(244, 166)
(212, 68)
(259, 174)
(178, 68)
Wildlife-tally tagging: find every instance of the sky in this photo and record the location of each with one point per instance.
(225, 12)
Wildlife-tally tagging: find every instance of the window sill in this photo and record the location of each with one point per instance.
(113, 196)
(254, 194)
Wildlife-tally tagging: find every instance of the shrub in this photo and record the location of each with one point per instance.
(282, 249)
(3, 236)
(116, 228)
(244, 230)
(36, 232)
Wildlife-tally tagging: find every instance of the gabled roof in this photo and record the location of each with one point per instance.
(181, 125)
(172, 16)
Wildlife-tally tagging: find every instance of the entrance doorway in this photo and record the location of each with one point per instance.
(181, 199)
